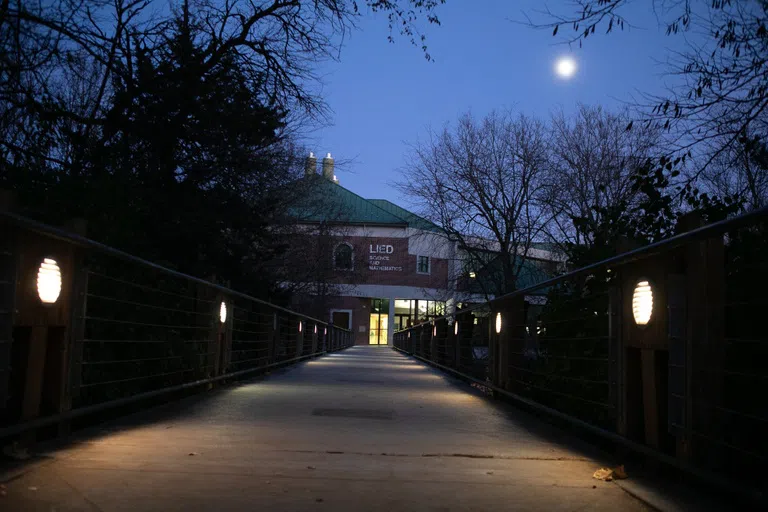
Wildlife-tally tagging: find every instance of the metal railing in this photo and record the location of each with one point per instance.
(690, 387)
(123, 329)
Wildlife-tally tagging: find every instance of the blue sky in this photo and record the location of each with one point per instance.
(385, 95)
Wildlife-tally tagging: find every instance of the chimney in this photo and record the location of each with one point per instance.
(310, 167)
(328, 167)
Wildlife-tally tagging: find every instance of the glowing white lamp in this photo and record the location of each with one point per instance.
(223, 312)
(456, 327)
(498, 323)
(299, 325)
(325, 331)
(642, 302)
(315, 328)
(48, 281)
(434, 330)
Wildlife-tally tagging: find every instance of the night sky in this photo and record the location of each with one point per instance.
(384, 95)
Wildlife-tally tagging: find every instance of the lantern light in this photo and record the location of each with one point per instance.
(642, 302)
(223, 312)
(456, 327)
(49, 281)
(315, 328)
(498, 323)
(325, 331)
(434, 330)
(299, 325)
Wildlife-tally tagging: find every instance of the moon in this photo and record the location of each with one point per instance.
(565, 67)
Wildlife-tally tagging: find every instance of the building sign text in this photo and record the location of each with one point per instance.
(378, 258)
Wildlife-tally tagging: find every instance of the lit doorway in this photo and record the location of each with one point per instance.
(379, 327)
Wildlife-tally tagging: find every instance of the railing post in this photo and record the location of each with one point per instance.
(301, 328)
(223, 333)
(271, 325)
(46, 372)
(314, 338)
(507, 325)
(433, 354)
(457, 333)
(645, 395)
(8, 270)
(616, 353)
(450, 344)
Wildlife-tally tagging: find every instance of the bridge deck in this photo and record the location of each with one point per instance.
(367, 429)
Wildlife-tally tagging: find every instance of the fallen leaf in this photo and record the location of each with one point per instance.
(607, 474)
(604, 474)
(32, 488)
(489, 472)
(192, 453)
(319, 500)
(311, 467)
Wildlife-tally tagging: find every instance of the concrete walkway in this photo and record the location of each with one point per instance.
(367, 429)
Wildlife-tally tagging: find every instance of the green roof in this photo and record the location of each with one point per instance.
(326, 201)
(413, 220)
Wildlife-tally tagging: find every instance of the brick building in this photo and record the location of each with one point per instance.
(388, 268)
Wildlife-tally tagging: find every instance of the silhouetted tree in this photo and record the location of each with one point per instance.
(723, 88)
(482, 181)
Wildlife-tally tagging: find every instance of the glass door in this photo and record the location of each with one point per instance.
(379, 322)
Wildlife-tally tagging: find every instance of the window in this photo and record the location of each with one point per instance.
(422, 264)
(426, 310)
(342, 257)
(404, 310)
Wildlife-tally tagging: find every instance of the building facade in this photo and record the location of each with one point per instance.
(388, 267)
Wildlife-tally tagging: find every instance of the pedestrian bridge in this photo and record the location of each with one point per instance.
(657, 353)
(363, 429)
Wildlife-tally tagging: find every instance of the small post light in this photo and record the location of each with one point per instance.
(315, 328)
(300, 325)
(456, 327)
(48, 281)
(642, 302)
(434, 330)
(223, 312)
(498, 323)
(325, 331)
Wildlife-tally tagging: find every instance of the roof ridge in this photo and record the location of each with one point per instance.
(371, 212)
(369, 202)
(419, 217)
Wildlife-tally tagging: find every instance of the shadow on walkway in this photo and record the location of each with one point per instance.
(366, 429)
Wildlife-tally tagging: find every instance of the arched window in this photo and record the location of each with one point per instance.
(342, 257)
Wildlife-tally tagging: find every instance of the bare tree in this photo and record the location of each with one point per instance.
(278, 41)
(741, 171)
(482, 182)
(592, 160)
(722, 90)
